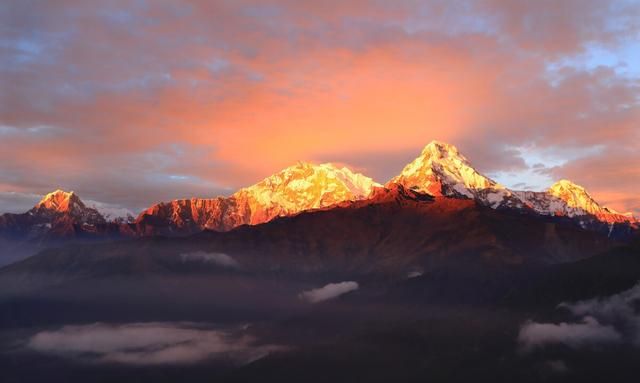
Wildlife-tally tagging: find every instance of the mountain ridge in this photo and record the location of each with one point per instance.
(301, 187)
(440, 171)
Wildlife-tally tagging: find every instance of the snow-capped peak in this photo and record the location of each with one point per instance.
(67, 204)
(60, 201)
(326, 178)
(301, 187)
(576, 197)
(442, 170)
(305, 186)
(112, 213)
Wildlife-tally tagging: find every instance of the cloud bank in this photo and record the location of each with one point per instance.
(588, 332)
(605, 320)
(330, 291)
(148, 344)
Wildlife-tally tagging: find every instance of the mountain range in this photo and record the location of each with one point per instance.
(435, 274)
(440, 171)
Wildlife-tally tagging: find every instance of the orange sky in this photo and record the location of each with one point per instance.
(136, 103)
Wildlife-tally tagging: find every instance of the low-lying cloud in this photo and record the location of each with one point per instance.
(588, 332)
(330, 291)
(600, 321)
(152, 343)
(220, 259)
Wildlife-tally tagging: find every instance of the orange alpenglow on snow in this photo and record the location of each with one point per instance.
(61, 202)
(298, 188)
(575, 196)
(440, 170)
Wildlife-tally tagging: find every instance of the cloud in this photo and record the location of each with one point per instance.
(606, 320)
(564, 26)
(221, 84)
(148, 344)
(220, 259)
(621, 309)
(15, 202)
(414, 274)
(575, 335)
(330, 291)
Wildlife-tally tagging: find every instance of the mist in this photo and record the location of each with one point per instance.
(152, 343)
(599, 321)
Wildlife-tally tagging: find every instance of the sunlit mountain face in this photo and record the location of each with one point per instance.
(335, 191)
(440, 171)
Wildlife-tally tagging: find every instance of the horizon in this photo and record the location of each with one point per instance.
(29, 200)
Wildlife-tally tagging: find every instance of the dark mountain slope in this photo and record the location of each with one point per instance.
(396, 232)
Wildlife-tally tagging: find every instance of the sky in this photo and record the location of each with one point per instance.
(135, 102)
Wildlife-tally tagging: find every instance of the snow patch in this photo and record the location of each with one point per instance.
(111, 212)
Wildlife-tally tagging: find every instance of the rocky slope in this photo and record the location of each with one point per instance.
(396, 233)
